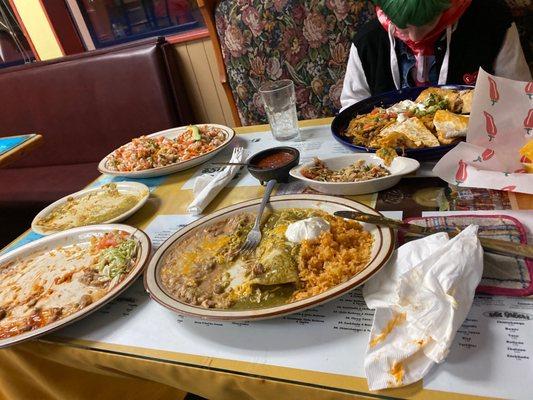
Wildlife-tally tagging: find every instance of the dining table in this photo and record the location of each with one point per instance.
(135, 348)
(14, 147)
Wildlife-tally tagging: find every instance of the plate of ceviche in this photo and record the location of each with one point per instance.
(61, 278)
(167, 151)
(306, 256)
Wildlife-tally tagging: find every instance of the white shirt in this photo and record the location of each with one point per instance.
(510, 63)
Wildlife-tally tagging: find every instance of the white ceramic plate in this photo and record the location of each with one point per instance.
(70, 237)
(382, 249)
(400, 166)
(136, 188)
(179, 166)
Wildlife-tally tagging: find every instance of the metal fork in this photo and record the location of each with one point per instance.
(254, 236)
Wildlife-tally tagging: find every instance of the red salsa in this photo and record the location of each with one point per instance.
(274, 160)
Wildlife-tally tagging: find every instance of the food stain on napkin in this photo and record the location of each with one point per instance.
(421, 298)
(396, 320)
(397, 371)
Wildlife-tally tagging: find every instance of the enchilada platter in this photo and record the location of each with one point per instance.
(111, 202)
(306, 257)
(59, 279)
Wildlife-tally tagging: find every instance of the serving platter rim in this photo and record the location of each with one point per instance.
(296, 171)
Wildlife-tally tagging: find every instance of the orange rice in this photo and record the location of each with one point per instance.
(333, 257)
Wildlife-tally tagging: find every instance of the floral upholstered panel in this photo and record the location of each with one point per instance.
(307, 41)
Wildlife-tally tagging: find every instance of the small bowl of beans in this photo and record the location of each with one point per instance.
(274, 163)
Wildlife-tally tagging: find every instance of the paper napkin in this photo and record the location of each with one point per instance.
(421, 298)
(501, 123)
(206, 188)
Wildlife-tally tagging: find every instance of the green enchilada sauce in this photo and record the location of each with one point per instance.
(208, 269)
(279, 259)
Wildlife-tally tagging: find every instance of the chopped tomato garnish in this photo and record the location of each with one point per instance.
(108, 240)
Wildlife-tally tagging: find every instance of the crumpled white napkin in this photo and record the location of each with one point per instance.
(206, 188)
(421, 297)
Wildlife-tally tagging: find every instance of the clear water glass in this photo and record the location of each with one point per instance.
(280, 105)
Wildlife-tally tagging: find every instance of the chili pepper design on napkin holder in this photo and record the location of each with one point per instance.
(501, 123)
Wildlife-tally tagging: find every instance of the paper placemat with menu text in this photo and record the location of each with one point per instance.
(491, 354)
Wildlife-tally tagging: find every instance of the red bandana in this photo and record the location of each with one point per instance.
(425, 46)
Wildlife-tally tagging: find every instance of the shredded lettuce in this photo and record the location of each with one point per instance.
(114, 260)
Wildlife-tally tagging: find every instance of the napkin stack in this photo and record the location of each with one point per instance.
(207, 187)
(421, 298)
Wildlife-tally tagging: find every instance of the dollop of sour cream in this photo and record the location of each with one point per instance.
(402, 106)
(306, 229)
(401, 117)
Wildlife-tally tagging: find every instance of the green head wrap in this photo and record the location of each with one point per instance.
(412, 12)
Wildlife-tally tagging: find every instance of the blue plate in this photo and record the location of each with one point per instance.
(341, 121)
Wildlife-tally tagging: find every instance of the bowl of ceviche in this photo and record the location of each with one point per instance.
(167, 151)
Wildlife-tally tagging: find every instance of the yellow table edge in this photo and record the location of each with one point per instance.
(333, 382)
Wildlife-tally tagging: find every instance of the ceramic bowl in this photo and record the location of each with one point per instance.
(400, 166)
(281, 173)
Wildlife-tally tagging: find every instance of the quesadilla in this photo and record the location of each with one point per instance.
(450, 125)
(411, 133)
(466, 97)
(454, 102)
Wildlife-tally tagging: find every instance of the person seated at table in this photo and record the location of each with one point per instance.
(425, 42)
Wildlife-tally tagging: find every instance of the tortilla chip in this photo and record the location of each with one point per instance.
(450, 125)
(443, 140)
(387, 154)
(411, 131)
(427, 120)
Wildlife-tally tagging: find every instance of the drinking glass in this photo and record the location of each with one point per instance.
(280, 105)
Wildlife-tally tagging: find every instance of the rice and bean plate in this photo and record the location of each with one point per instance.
(303, 252)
